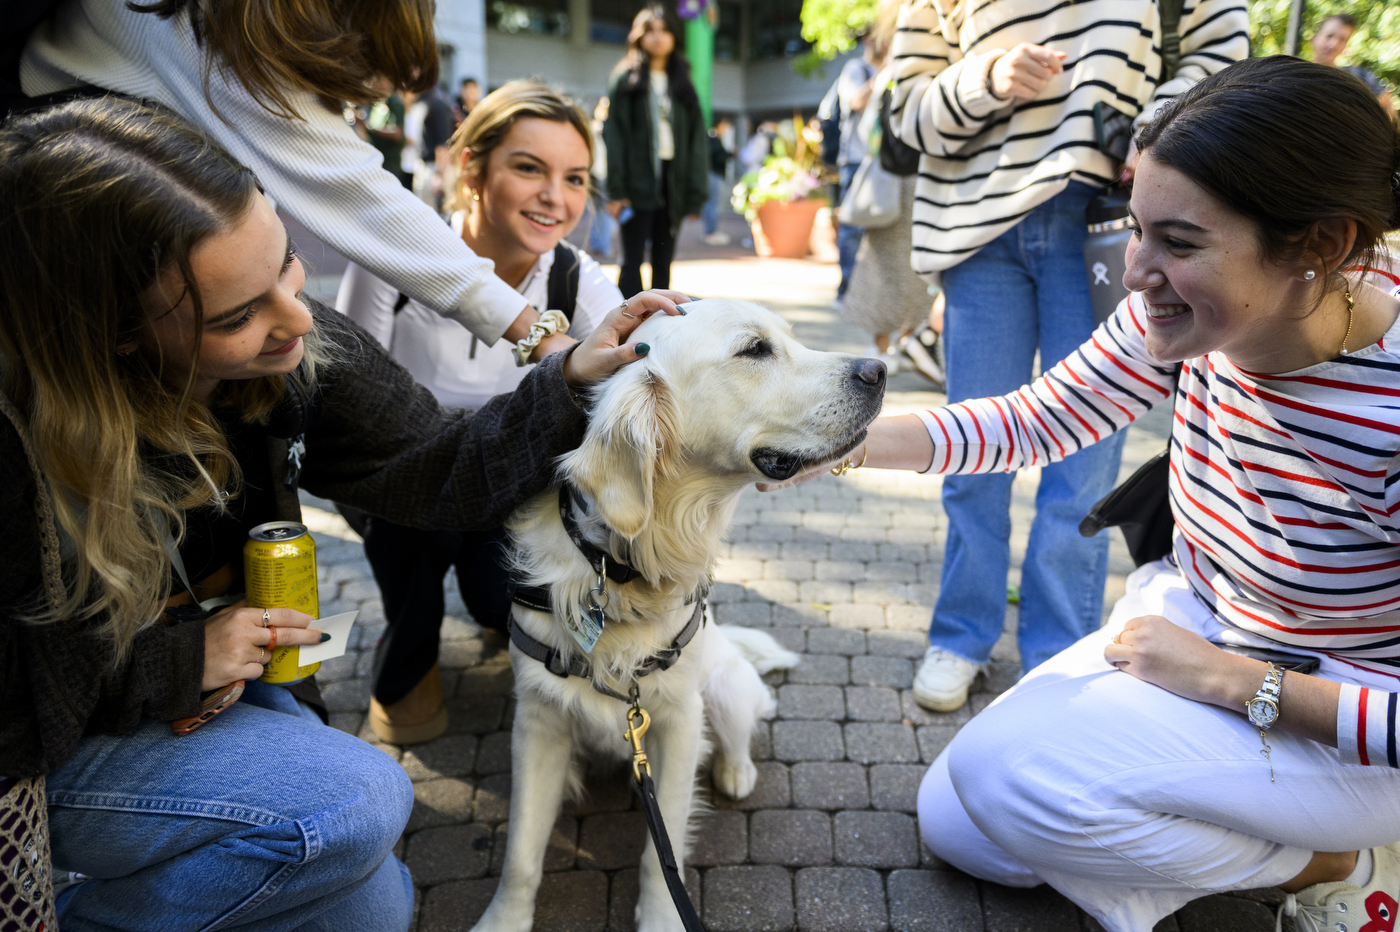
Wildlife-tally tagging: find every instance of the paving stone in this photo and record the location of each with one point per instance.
(835, 785)
(873, 704)
(448, 756)
(798, 615)
(999, 677)
(455, 907)
(910, 619)
(879, 743)
(811, 702)
(609, 791)
(1088, 923)
(559, 855)
(796, 741)
(1038, 909)
(933, 739)
(854, 551)
(788, 569)
(979, 701)
(772, 790)
(857, 617)
(910, 645)
(492, 802)
(474, 715)
(772, 590)
(835, 641)
(625, 889)
(761, 746)
(875, 839)
(933, 901)
(845, 571)
(612, 840)
(738, 570)
(722, 837)
(338, 668)
(896, 786)
(918, 715)
(831, 669)
(491, 677)
(1224, 914)
(745, 614)
(723, 593)
(893, 571)
(753, 898)
(493, 755)
(348, 722)
(834, 592)
(440, 802)
(791, 837)
(895, 672)
(454, 852)
(840, 899)
(574, 901)
(347, 695)
(818, 551)
(793, 638)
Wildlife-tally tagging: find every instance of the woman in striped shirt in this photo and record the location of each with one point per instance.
(1260, 201)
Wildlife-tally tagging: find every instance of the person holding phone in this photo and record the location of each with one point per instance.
(166, 387)
(1143, 767)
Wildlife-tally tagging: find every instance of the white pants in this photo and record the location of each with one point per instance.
(1132, 801)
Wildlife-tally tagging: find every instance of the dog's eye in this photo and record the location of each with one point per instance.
(758, 349)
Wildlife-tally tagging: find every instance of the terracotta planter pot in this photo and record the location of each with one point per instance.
(783, 229)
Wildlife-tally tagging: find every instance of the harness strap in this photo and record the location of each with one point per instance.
(616, 571)
(578, 666)
(646, 792)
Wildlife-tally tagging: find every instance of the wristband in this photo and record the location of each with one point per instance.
(550, 323)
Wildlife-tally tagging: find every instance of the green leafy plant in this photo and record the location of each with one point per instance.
(792, 171)
(832, 27)
(1375, 45)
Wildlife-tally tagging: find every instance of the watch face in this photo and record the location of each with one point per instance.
(1262, 712)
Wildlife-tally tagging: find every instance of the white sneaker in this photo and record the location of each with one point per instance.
(1340, 905)
(943, 680)
(926, 365)
(717, 239)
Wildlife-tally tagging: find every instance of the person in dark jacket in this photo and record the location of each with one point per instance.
(165, 389)
(658, 148)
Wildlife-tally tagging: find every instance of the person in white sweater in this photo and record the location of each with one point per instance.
(999, 96)
(1144, 767)
(526, 153)
(272, 96)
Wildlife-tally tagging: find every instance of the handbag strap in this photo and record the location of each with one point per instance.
(26, 884)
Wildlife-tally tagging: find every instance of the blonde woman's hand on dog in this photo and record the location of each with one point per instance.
(607, 349)
(236, 644)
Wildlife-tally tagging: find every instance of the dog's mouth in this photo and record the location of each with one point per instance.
(782, 465)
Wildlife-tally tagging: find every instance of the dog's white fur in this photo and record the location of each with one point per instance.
(726, 397)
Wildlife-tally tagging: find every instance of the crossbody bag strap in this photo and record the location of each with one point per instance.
(561, 290)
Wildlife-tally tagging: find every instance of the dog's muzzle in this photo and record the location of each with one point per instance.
(868, 386)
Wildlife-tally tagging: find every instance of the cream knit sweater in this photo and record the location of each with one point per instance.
(987, 163)
(316, 168)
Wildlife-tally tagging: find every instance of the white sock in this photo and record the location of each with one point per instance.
(1362, 875)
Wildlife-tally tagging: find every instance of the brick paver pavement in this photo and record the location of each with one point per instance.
(842, 570)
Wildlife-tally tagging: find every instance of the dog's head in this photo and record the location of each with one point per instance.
(725, 397)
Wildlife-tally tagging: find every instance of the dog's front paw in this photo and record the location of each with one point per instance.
(504, 916)
(735, 778)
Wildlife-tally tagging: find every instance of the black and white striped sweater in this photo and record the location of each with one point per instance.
(989, 162)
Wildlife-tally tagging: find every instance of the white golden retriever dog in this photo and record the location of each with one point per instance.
(725, 398)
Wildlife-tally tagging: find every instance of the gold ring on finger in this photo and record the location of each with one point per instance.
(262, 656)
(625, 314)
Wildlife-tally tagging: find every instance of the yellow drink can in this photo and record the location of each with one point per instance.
(279, 571)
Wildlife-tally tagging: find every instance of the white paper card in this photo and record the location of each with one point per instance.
(338, 627)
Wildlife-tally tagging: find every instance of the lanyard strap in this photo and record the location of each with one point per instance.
(207, 605)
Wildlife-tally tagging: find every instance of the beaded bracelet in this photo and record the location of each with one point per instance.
(550, 323)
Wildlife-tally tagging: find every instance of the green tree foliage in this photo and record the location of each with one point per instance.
(1375, 45)
(832, 27)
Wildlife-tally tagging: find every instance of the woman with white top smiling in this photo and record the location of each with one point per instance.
(525, 153)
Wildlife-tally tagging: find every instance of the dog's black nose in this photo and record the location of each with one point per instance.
(870, 371)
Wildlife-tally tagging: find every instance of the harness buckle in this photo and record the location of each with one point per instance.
(554, 665)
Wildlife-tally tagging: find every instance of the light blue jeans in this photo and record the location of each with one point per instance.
(1025, 289)
(260, 821)
(847, 237)
(710, 214)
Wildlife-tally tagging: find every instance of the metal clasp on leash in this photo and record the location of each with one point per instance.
(638, 721)
(598, 595)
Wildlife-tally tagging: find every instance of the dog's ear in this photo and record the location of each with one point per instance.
(631, 436)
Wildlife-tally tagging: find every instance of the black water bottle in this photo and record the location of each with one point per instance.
(1104, 251)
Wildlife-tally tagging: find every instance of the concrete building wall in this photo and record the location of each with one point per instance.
(461, 24)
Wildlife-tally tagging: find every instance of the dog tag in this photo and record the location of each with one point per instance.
(587, 626)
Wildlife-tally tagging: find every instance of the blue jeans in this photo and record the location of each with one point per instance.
(710, 214)
(259, 821)
(601, 228)
(848, 237)
(1025, 289)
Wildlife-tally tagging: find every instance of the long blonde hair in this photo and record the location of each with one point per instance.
(490, 121)
(97, 198)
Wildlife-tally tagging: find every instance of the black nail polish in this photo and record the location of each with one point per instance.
(325, 636)
(642, 349)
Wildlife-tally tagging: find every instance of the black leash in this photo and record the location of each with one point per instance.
(638, 721)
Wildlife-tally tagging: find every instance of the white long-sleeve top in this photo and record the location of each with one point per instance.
(988, 162)
(315, 167)
(441, 354)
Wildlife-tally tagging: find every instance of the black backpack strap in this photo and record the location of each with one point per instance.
(561, 292)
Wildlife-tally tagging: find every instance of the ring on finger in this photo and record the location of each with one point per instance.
(267, 618)
(1118, 638)
(272, 644)
(262, 656)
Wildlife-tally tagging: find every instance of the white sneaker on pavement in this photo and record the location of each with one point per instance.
(943, 680)
(716, 239)
(1340, 905)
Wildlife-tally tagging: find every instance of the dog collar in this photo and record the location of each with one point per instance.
(617, 571)
(577, 666)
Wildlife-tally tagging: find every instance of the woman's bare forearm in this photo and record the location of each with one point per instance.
(898, 442)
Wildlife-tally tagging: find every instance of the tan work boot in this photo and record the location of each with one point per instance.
(417, 717)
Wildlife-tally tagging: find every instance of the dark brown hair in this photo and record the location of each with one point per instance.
(335, 49)
(636, 61)
(1286, 143)
(1346, 19)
